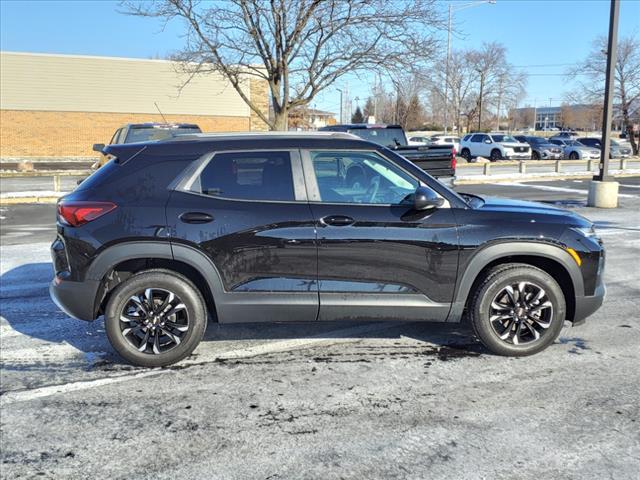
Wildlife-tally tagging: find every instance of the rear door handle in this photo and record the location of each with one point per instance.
(337, 220)
(196, 217)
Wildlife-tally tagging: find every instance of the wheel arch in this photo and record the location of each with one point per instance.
(552, 259)
(119, 262)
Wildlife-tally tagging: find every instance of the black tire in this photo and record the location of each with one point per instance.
(535, 155)
(487, 293)
(189, 314)
(574, 156)
(495, 155)
(466, 154)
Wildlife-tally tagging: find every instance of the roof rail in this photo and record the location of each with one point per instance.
(214, 136)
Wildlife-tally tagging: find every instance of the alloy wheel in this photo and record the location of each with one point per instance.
(154, 321)
(521, 313)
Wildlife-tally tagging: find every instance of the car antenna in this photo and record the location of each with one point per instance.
(160, 111)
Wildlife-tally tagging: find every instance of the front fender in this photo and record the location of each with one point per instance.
(496, 251)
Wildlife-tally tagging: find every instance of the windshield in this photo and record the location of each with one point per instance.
(537, 140)
(388, 137)
(574, 143)
(145, 134)
(503, 139)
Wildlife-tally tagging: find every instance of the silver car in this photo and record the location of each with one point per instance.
(574, 150)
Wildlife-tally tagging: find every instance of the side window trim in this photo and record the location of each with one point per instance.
(191, 175)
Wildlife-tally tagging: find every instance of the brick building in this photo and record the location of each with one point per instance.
(60, 105)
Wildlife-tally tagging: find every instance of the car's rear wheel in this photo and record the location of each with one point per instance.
(574, 156)
(495, 155)
(517, 310)
(155, 318)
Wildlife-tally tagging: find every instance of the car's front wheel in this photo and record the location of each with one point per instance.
(155, 318)
(517, 310)
(495, 155)
(466, 154)
(574, 156)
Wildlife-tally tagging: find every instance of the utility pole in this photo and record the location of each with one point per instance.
(453, 8)
(480, 100)
(603, 191)
(446, 77)
(499, 102)
(609, 88)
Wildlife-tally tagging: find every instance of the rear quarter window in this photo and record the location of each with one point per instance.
(248, 176)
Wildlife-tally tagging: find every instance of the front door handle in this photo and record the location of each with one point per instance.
(337, 220)
(196, 217)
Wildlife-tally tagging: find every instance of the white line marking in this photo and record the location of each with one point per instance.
(335, 336)
(629, 186)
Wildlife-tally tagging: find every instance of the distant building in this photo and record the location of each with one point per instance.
(310, 119)
(60, 105)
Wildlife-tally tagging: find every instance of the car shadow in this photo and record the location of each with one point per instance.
(27, 309)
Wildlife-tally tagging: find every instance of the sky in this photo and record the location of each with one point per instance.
(543, 37)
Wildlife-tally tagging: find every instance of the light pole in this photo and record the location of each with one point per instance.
(357, 99)
(454, 8)
(340, 90)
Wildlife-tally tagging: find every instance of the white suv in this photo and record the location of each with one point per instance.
(494, 146)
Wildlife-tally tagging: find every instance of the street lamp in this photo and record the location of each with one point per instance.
(340, 90)
(454, 8)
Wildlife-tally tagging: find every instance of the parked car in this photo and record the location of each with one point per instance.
(616, 149)
(418, 141)
(565, 135)
(574, 150)
(441, 139)
(143, 132)
(309, 227)
(494, 146)
(541, 149)
(438, 160)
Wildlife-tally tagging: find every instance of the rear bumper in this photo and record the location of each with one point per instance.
(76, 299)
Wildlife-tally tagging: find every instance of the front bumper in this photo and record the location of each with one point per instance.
(518, 156)
(586, 306)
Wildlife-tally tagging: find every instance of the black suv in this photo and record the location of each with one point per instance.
(309, 227)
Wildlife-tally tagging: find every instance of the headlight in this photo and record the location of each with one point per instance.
(588, 232)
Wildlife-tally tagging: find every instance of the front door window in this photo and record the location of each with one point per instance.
(361, 178)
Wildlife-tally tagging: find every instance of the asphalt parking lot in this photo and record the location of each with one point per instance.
(339, 400)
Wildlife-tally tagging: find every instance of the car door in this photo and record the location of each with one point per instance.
(248, 213)
(478, 147)
(378, 258)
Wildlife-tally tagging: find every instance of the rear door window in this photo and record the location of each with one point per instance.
(248, 176)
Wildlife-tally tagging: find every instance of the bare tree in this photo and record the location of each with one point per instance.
(300, 47)
(478, 79)
(627, 80)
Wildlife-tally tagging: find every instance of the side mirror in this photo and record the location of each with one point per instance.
(97, 147)
(488, 141)
(425, 198)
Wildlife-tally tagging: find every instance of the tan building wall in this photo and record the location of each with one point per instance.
(72, 134)
(60, 105)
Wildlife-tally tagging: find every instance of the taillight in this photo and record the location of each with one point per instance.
(78, 213)
(454, 161)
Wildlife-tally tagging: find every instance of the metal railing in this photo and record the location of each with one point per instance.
(541, 167)
(56, 175)
(553, 166)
